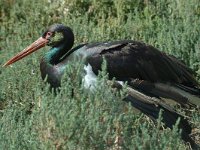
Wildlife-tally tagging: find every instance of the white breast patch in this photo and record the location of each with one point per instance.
(90, 79)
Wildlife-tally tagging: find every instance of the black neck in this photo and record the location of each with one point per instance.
(58, 51)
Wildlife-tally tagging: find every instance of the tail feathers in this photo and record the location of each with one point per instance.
(194, 91)
(186, 74)
(152, 106)
(185, 96)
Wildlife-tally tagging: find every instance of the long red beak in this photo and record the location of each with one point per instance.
(39, 43)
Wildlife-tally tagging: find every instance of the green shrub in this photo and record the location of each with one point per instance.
(34, 118)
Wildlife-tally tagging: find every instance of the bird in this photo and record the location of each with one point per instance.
(151, 75)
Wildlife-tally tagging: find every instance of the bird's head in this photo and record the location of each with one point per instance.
(55, 36)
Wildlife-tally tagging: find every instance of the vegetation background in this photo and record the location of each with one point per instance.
(31, 117)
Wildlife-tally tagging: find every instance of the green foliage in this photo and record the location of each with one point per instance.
(34, 118)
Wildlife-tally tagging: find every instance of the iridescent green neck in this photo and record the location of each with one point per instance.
(53, 56)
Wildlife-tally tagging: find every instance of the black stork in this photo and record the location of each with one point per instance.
(151, 75)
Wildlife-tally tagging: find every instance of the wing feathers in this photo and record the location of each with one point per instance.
(152, 106)
(183, 96)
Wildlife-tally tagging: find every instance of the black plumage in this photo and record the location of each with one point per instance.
(152, 76)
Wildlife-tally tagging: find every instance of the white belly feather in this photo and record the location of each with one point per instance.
(90, 79)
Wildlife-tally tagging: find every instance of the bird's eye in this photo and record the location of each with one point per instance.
(48, 35)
